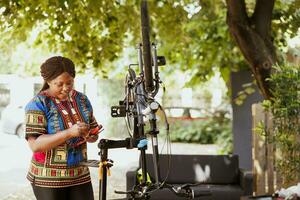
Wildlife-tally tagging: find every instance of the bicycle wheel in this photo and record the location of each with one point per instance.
(130, 99)
(146, 47)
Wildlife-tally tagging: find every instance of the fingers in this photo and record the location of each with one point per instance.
(83, 129)
(83, 125)
(81, 142)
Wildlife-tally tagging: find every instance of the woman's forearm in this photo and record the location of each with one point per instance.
(48, 141)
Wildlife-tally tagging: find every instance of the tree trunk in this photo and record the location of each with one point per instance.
(252, 35)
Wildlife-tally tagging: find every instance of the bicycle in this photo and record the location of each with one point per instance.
(139, 101)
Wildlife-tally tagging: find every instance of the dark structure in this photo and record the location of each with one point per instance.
(242, 118)
(218, 174)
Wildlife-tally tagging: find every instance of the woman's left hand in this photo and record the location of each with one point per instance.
(83, 129)
(92, 138)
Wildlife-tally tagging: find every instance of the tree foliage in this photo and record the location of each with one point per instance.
(193, 35)
(285, 129)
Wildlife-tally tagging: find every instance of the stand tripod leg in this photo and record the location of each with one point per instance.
(144, 166)
(103, 175)
(155, 158)
(105, 163)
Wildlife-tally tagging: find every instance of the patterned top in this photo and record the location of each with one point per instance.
(59, 166)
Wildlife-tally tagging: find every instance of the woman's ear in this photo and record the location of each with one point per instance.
(48, 82)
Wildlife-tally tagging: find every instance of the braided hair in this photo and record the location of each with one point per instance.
(55, 66)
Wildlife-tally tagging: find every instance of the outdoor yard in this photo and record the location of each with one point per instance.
(215, 77)
(14, 185)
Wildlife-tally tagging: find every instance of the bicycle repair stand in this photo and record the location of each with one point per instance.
(105, 163)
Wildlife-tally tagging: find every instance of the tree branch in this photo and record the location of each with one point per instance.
(237, 10)
(262, 17)
(258, 51)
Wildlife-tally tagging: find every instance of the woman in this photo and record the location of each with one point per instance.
(59, 122)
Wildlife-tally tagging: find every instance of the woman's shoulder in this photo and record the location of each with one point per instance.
(79, 94)
(38, 102)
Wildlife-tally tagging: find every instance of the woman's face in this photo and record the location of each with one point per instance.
(61, 86)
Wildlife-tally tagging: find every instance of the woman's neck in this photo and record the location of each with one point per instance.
(49, 93)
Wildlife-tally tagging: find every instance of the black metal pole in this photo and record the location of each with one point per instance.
(139, 134)
(144, 166)
(103, 178)
(153, 132)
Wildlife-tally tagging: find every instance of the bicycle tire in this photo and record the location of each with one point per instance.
(146, 47)
(130, 98)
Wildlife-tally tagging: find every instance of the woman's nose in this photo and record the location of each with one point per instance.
(67, 87)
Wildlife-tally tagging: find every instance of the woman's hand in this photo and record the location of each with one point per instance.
(92, 138)
(46, 142)
(79, 130)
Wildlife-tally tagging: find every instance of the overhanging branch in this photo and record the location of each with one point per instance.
(257, 50)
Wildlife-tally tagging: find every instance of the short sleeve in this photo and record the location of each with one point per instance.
(35, 118)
